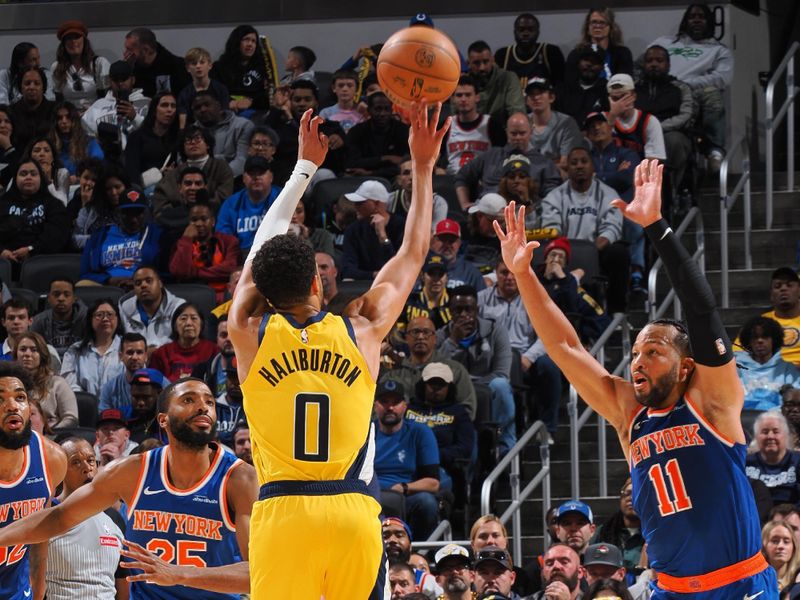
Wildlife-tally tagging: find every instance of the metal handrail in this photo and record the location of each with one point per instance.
(726, 202)
(655, 311)
(577, 422)
(772, 121)
(519, 496)
(441, 536)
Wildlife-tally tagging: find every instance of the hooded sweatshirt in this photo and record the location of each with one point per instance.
(699, 64)
(231, 139)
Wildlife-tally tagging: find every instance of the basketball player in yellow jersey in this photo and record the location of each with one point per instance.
(308, 379)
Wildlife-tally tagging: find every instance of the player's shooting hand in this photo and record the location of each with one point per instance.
(517, 251)
(312, 143)
(424, 140)
(155, 570)
(645, 208)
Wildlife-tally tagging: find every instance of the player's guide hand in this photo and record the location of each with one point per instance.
(155, 570)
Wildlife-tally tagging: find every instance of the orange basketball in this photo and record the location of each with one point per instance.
(418, 62)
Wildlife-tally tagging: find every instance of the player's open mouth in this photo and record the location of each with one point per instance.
(13, 422)
(640, 381)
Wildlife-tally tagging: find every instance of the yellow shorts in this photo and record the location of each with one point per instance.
(305, 547)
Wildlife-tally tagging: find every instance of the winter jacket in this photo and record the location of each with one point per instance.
(450, 423)
(363, 253)
(762, 383)
(167, 72)
(669, 100)
(231, 139)
(583, 216)
(159, 327)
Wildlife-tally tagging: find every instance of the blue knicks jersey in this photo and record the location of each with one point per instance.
(191, 527)
(26, 494)
(690, 492)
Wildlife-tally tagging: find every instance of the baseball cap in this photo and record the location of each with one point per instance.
(621, 82)
(388, 521)
(603, 554)
(149, 377)
(784, 274)
(592, 117)
(517, 162)
(256, 164)
(73, 26)
(369, 190)
(538, 83)
(421, 19)
(561, 243)
(495, 554)
(452, 551)
(437, 370)
(391, 386)
(489, 204)
(434, 262)
(120, 71)
(111, 415)
(574, 506)
(132, 198)
(447, 227)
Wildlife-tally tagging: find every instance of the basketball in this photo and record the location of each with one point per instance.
(418, 62)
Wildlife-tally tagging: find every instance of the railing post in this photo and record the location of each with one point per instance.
(572, 410)
(602, 454)
(748, 222)
(723, 248)
(790, 126)
(516, 520)
(769, 134)
(544, 453)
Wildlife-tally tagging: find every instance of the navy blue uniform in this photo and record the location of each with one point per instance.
(697, 508)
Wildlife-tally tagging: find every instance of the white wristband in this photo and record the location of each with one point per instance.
(279, 215)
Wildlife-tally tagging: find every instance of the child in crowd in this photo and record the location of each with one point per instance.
(345, 111)
(198, 64)
(298, 65)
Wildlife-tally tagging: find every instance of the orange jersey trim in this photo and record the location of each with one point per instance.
(714, 580)
(26, 464)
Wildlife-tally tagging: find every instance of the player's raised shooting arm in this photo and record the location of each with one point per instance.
(383, 303)
(596, 386)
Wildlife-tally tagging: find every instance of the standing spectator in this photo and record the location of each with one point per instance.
(198, 65)
(432, 300)
(231, 132)
(634, 129)
(72, 144)
(406, 459)
(587, 93)
(149, 311)
(761, 368)
(241, 68)
(116, 392)
(781, 551)
(623, 529)
(113, 438)
(23, 55)
(64, 322)
(188, 347)
(32, 114)
(400, 199)
(344, 112)
(377, 146)
(705, 65)
(554, 133)
(375, 237)
(93, 361)
(15, 316)
(241, 213)
(57, 400)
(774, 462)
(600, 30)
(500, 92)
(79, 75)
(154, 145)
(156, 68)
(528, 57)
(298, 65)
(446, 241)
(204, 255)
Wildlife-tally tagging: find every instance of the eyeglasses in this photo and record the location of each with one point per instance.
(77, 82)
(421, 332)
(104, 315)
(598, 23)
(626, 493)
(500, 555)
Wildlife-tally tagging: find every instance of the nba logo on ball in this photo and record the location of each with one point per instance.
(418, 63)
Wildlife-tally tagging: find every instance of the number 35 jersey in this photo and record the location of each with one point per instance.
(308, 398)
(690, 492)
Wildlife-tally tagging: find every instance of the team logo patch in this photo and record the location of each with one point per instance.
(109, 540)
(720, 346)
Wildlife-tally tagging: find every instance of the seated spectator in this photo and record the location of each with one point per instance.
(146, 385)
(396, 536)
(375, 237)
(482, 346)
(88, 172)
(471, 133)
(114, 253)
(98, 203)
(188, 347)
(150, 310)
(634, 129)
(586, 94)
(785, 301)
(494, 572)
(454, 572)
(343, 214)
(432, 300)
(406, 459)
(503, 305)
(517, 184)
(32, 221)
(561, 574)
(15, 317)
(214, 370)
(198, 65)
(203, 255)
(580, 208)
(231, 132)
(603, 561)
(32, 114)
(488, 530)
(113, 437)
(706, 66)
(400, 199)
(499, 90)
(332, 300)
(790, 408)
(79, 75)
(603, 587)
(241, 67)
(116, 392)
(241, 443)
(575, 525)
(123, 107)
(71, 142)
(93, 361)
(401, 580)
(482, 174)
(173, 215)
(302, 225)
(241, 213)
(600, 30)
(762, 370)
(773, 462)
(554, 133)
(63, 323)
(623, 530)
(23, 55)
(528, 57)
(298, 65)
(57, 400)
(222, 310)
(9, 154)
(781, 552)
(344, 112)
(264, 143)
(377, 146)
(154, 144)
(155, 67)
(56, 177)
(446, 241)
(483, 247)
(196, 150)
(229, 406)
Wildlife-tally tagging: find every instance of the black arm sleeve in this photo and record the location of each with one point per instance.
(710, 343)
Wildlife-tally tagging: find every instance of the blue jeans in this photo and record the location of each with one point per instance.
(712, 109)
(503, 413)
(544, 378)
(422, 512)
(633, 233)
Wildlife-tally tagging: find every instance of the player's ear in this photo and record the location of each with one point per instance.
(162, 420)
(686, 369)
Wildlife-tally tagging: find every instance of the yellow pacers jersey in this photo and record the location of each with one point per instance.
(308, 398)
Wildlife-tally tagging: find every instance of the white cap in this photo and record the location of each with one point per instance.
(621, 82)
(369, 190)
(451, 550)
(437, 370)
(489, 204)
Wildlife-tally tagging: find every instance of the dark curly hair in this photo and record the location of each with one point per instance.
(610, 585)
(681, 337)
(683, 28)
(283, 270)
(770, 327)
(13, 369)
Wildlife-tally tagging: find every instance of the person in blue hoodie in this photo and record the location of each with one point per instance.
(241, 213)
(761, 369)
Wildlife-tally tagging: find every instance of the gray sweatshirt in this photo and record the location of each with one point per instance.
(703, 64)
(560, 135)
(584, 216)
